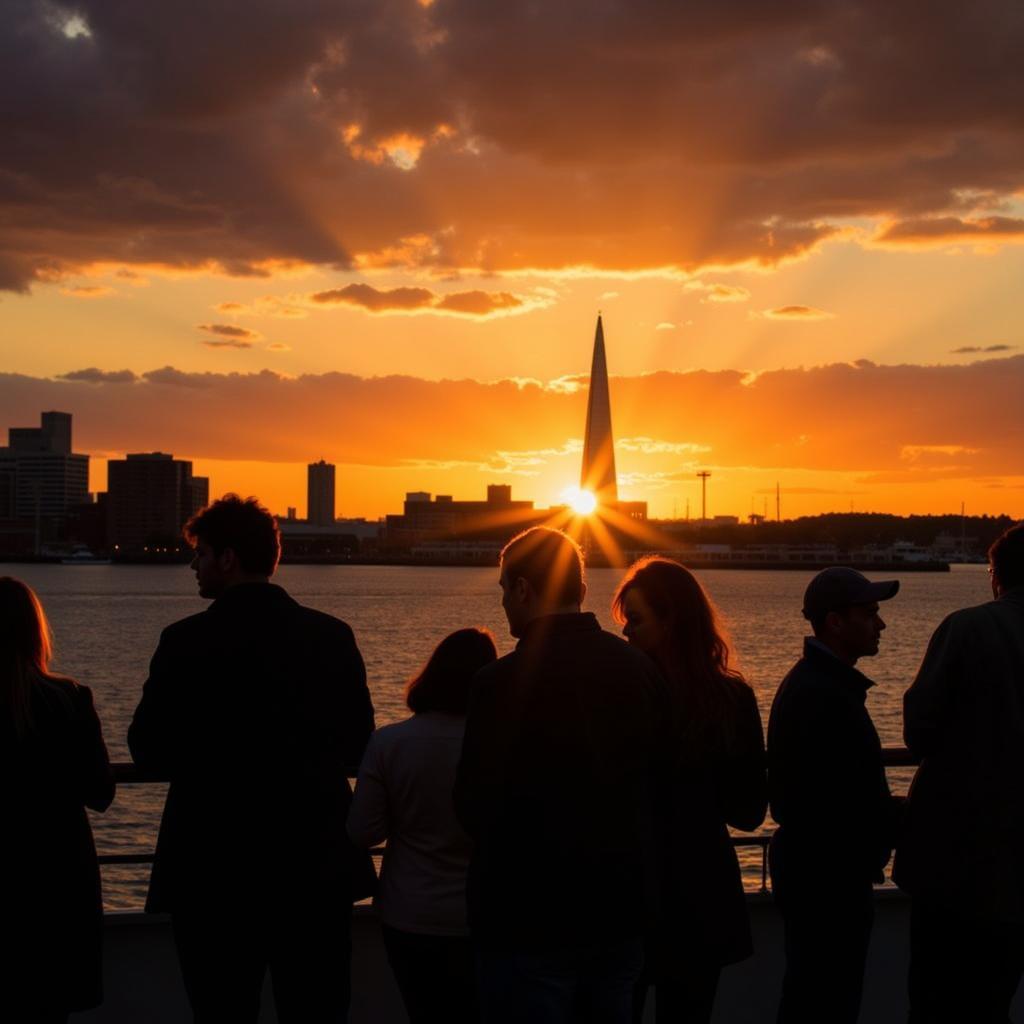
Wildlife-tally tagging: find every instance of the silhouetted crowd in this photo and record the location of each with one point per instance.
(556, 821)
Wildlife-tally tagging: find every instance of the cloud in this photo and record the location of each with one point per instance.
(810, 419)
(665, 325)
(88, 291)
(376, 300)
(423, 300)
(477, 303)
(229, 331)
(278, 346)
(93, 375)
(967, 349)
(942, 231)
(226, 343)
(796, 313)
(201, 142)
(716, 292)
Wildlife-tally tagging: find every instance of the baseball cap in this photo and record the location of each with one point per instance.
(839, 586)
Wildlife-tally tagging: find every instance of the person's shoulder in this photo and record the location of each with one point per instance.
(321, 622)
(186, 627)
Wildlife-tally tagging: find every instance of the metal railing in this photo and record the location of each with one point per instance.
(126, 773)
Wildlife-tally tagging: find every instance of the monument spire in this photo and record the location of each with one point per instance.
(598, 471)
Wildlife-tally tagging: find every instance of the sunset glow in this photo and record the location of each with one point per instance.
(260, 244)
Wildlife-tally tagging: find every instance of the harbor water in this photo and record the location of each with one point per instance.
(107, 621)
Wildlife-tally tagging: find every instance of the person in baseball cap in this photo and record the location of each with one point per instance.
(829, 796)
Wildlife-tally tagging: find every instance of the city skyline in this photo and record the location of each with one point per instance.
(806, 246)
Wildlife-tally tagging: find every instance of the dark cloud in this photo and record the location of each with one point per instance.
(226, 343)
(966, 349)
(391, 300)
(376, 300)
(228, 331)
(628, 134)
(93, 375)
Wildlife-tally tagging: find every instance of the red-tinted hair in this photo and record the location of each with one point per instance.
(704, 685)
(443, 684)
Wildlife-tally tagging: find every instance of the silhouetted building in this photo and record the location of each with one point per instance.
(423, 520)
(597, 473)
(320, 493)
(40, 476)
(151, 496)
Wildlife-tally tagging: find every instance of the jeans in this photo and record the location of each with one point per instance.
(590, 984)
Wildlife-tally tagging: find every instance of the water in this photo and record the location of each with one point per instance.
(107, 621)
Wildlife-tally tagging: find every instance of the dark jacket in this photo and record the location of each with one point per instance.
(963, 840)
(555, 785)
(826, 782)
(52, 909)
(703, 910)
(253, 709)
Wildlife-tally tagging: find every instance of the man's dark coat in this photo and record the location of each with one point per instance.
(556, 784)
(826, 782)
(963, 842)
(253, 709)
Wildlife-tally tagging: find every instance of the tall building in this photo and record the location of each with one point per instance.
(320, 493)
(151, 496)
(598, 470)
(40, 476)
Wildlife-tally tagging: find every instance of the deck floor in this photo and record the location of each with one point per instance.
(144, 987)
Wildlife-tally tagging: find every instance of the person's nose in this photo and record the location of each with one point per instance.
(881, 623)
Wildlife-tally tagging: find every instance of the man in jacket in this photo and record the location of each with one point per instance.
(830, 798)
(252, 710)
(961, 855)
(555, 785)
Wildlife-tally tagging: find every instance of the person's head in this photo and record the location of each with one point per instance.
(443, 683)
(541, 574)
(1006, 560)
(664, 611)
(25, 649)
(842, 607)
(236, 541)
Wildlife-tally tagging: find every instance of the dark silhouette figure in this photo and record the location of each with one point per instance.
(53, 765)
(831, 800)
(404, 796)
(716, 778)
(252, 709)
(961, 854)
(556, 787)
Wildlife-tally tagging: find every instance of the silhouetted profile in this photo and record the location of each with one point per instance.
(961, 854)
(404, 796)
(715, 777)
(597, 473)
(830, 797)
(555, 785)
(53, 765)
(252, 709)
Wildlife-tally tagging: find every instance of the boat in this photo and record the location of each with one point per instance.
(81, 555)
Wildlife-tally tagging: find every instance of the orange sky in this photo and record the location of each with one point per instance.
(258, 244)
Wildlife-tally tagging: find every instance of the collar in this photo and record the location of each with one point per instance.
(245, 595)
(544, 627)
(824, 660)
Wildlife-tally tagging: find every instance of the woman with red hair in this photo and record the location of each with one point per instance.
(715, 778)
(53, 765)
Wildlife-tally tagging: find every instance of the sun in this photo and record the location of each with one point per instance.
(583, 503)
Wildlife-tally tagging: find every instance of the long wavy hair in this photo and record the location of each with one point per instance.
(25, 651)
(696, 660)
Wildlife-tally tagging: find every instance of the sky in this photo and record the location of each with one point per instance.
(380, 233)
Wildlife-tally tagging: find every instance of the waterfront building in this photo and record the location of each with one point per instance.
(427, 518)
(150, 498)
(40, 475)
(320, 493)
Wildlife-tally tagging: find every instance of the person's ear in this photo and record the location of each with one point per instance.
(521, 589)
(227, 560)
(833, 622)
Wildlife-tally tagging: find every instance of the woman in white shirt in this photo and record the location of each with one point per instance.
(404, 795)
